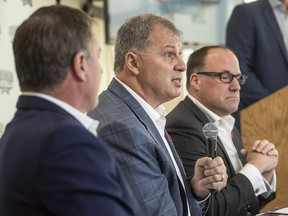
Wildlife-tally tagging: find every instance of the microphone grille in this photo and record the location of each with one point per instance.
(210, 130)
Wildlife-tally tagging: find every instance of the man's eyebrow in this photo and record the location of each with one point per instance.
(170, 46)
(230, 72)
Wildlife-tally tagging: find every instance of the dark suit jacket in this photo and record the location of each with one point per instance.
(141, 153)
(51, 165)
(254, 34)
(184, 124)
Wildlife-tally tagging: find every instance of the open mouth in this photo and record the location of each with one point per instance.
(178, 81)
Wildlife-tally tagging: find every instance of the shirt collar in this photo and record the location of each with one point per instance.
(228, 120)
(154, 114)
(89, 123)
(157, 115)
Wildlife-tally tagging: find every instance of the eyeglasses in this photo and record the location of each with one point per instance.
(226, 76)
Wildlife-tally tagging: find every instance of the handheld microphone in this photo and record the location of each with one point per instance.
(210, 131)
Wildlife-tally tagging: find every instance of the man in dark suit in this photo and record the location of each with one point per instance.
(148, 68)
(213, 85)
(258, 34)
(51, 162)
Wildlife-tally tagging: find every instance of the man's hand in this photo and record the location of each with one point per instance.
(210, 175)
(264, 156)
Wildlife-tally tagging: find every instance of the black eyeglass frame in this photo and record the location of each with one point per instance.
(241, 78)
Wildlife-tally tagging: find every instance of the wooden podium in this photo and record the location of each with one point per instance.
(268, 119)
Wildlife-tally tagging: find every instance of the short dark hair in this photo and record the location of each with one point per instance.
(45, 44)
(197, 60)
(134, 35)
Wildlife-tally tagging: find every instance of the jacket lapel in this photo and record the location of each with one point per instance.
(138, 110)
(237, 140)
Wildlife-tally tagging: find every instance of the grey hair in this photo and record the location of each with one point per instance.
(135, 35)
(46, 43)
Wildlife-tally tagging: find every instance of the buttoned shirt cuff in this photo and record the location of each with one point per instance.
(255, 177)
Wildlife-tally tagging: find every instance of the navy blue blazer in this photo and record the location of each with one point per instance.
(185, 125)
(254, 34)
(51, 165)
(142, 155)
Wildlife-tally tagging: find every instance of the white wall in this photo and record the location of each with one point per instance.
(9, 90)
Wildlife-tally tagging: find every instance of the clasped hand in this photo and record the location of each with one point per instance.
(264, 156)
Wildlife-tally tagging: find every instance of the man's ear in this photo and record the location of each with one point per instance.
(194, 81)
(79, 66)
(132, 62)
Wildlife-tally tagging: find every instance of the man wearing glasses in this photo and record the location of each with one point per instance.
(213, 83)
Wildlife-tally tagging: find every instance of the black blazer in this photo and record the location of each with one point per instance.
(51, 165)
(184, 124)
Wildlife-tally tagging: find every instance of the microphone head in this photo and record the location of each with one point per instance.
(210, 130)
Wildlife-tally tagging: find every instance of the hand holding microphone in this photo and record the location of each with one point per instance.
(210, 172)
(210, 131)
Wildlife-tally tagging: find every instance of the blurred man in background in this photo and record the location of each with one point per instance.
(258, 33)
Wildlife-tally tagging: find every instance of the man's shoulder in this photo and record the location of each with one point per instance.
(183, 110)
(186, 116)
(252, 6)
(111, 108)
